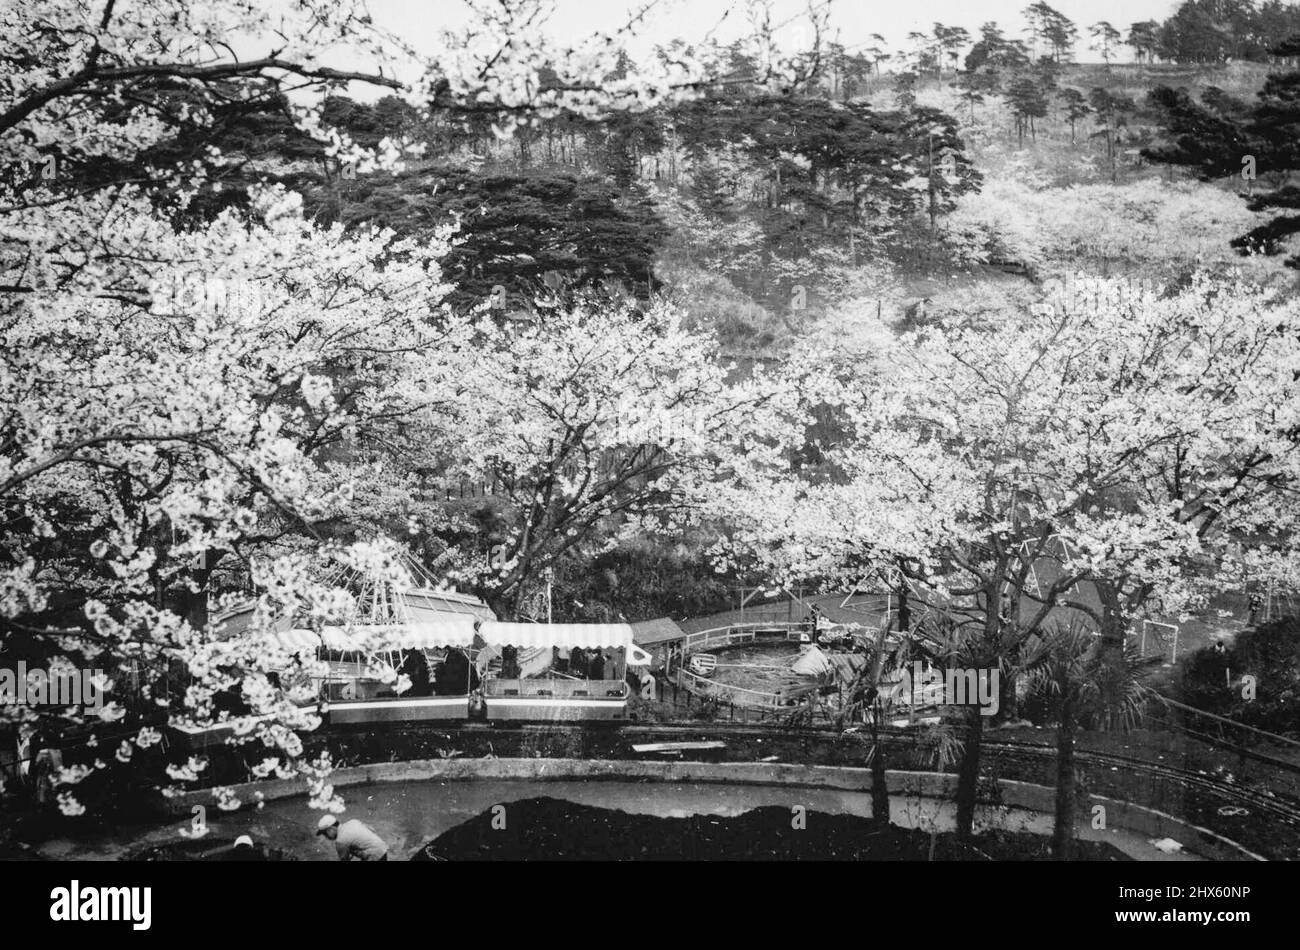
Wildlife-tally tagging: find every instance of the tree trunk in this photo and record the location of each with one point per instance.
(1114, 631)
(1063, 829)
(879, 785)
(968, 776)
(1008, 703)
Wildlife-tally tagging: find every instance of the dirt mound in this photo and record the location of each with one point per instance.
(549, 829)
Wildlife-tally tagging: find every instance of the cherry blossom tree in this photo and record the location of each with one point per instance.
(197, 397)
(1148, 433)
(589, 419)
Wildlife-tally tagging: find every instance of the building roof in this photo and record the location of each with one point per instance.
(659, 630)
(423, 603)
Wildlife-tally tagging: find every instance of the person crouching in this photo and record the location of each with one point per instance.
(353, 840)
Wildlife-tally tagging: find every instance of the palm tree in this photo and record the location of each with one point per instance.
(1081, 683)
(874, 696)
(868, 699)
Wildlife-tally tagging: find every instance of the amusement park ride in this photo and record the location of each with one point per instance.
(452, 658)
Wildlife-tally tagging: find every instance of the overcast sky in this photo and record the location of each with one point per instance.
(418, 22)
(854, 20)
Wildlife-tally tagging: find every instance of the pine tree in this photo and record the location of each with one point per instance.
(905, 90)
(1112, 115)
(949, 40)
(1274, 131)
(1027, 102)
(1143, 37)
(1057, 31)
(1076, 108)
(1222, 136)
(1105, 40)
(971, 87)
(710, 190)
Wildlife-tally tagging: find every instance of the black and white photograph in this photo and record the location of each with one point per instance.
(666, 432)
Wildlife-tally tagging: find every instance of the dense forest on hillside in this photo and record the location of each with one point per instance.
(613, 338)
(767, 217)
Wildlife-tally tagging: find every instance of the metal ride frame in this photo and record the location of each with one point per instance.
(921, 604)
(1162, 638)
(1154, 626)
(747, 594)
(1034, 585)
(1275, 596)
(891, 578)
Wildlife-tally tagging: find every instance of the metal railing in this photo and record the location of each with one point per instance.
(731, 634)
(706, 688)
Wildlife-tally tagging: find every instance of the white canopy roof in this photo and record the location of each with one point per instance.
(564, 635)
(451, 632)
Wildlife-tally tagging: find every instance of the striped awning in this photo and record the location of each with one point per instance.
(563, 635)
(422, 635)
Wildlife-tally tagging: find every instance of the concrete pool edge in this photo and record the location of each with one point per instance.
(1136, 819)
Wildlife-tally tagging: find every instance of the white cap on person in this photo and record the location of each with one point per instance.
(325, 824)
